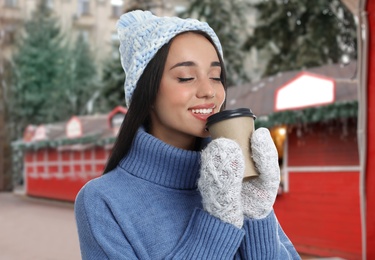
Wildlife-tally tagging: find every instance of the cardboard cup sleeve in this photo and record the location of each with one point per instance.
(238, 125)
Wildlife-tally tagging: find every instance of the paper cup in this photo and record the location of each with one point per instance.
(238, 125)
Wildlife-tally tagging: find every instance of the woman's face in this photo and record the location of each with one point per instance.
(190, 91)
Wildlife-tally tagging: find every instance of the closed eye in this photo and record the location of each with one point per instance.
(184, 79)
(216, 79)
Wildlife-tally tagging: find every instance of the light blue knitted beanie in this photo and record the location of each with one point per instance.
(142, 34)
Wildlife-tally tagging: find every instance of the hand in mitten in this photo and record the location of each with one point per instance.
(220, 180)
(259, 193)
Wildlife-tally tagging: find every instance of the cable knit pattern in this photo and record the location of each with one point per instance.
(259, 194)
(142, 34)
(221, 179)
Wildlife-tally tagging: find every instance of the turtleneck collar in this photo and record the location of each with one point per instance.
(155, 161)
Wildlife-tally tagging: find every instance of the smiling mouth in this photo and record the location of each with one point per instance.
(202, 111)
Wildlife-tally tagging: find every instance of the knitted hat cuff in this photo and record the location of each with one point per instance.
(142, 34)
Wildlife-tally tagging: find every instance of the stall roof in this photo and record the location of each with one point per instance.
(260, 96)
(79, 130)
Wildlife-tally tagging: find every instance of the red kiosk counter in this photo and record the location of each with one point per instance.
(60, 158)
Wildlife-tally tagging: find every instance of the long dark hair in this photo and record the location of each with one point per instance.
(142, 100)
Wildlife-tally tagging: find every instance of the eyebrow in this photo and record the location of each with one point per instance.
(191, 64)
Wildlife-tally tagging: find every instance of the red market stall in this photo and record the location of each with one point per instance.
(60, 158)
(320, 170)
(320, 207)
(312, 116)
(326, 146)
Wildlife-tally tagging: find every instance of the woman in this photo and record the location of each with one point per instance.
(167, 192)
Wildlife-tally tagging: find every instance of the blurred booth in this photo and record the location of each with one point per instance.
(312, 117)
(60, 158)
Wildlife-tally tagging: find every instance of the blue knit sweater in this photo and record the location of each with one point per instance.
(149, 208)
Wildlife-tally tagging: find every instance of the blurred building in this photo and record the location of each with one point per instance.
(94, 19)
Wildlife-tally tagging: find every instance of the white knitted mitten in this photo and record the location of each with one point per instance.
(220, 180)
(259, 193)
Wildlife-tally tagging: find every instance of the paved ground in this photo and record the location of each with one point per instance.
(36, 229)
(41, 229)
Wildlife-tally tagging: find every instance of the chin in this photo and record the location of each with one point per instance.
(204, 134)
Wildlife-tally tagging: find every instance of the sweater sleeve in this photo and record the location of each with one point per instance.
(265, 239)
(207, 237)
(99, 235)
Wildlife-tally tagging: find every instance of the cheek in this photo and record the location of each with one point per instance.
(171, 99)
(175, 99)
(178, 96)
(221, 97)
(172, 93)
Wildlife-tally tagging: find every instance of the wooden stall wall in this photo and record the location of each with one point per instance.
(60, 174)
(321, 211)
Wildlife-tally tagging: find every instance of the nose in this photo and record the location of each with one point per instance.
(206, 89)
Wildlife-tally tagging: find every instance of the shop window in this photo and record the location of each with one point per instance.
(84, 7)
(115, 45)
(9, 36)
(116, 6)
(116, 10)
(11, 3)
(279, 134)
(85, 34)
(180, 9)
(50, 4)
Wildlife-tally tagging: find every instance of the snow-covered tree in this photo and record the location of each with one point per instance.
(38, 69)
(295, 34)
(228, 19)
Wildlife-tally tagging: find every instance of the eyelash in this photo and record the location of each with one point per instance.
(188, 79)
(184, 79)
